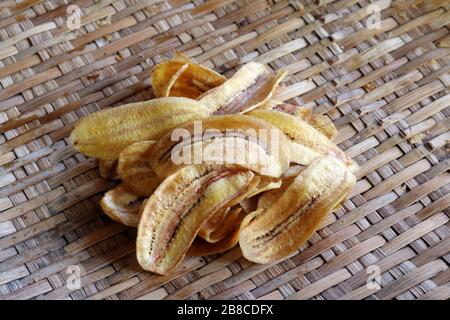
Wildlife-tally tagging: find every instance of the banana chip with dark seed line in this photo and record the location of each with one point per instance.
(234, 140)
(176, 210)
(250, 87)
(288, 223)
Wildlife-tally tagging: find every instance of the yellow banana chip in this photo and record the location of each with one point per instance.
(286, 224)
(324, 125)
(307, 143)
(213, 223)
(181, 77)
(218, 231)
(216, 162)
(320, 122)
(271, 196)
(232, 140)
(176, 210)
(121, 205)
(104, 134)
(200, 247)
(134, 170)
(250, 87)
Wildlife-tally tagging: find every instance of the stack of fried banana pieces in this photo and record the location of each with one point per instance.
(212, 163)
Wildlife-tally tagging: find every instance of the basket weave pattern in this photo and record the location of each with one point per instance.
(384, 86)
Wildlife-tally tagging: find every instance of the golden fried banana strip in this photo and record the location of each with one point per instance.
(108, 169)
(238, 140)
(288, 223)
(176, 210)
(221, 230)
(163, 74)
(201, 247)
(194, 81)
(134, 170)
(306, 142)
(265, 184)
(104, 134)
(250, 87)
(213, 223)
(181, 77)
(323, 124)
(173, 79)
(121, 205)
(271, 196)
(320, 122)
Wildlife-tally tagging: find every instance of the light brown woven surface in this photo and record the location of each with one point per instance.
(386, 89)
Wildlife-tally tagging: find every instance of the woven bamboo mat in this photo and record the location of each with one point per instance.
(385, 87)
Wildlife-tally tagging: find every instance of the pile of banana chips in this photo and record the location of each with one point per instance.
(212, 163)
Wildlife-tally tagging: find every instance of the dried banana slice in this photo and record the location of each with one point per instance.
(271, 196)
(218, 231)
(237, 140)
(121, 205)
(306, 142)
(106, 133)
(284, 226)
(163, 73)
(214, 222)
(134, 170)
(176, 210)
(323, 124)
(108, 169)
(265, 184)
(320, 122)
(181, 77)
(169, 85)
(250, 87)
(200, 247)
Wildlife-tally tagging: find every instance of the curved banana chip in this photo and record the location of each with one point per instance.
(250, 87)
(181, 77)
(306, 142)
(218, 231)
(121, 205)
(324, 125)
(220, 223)
(232, 140)
(134, 170)
(176, 210)
(200, 247)
(320, 122)
(271, 196)
(285, 225)
(104, 134)
(211, 224)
